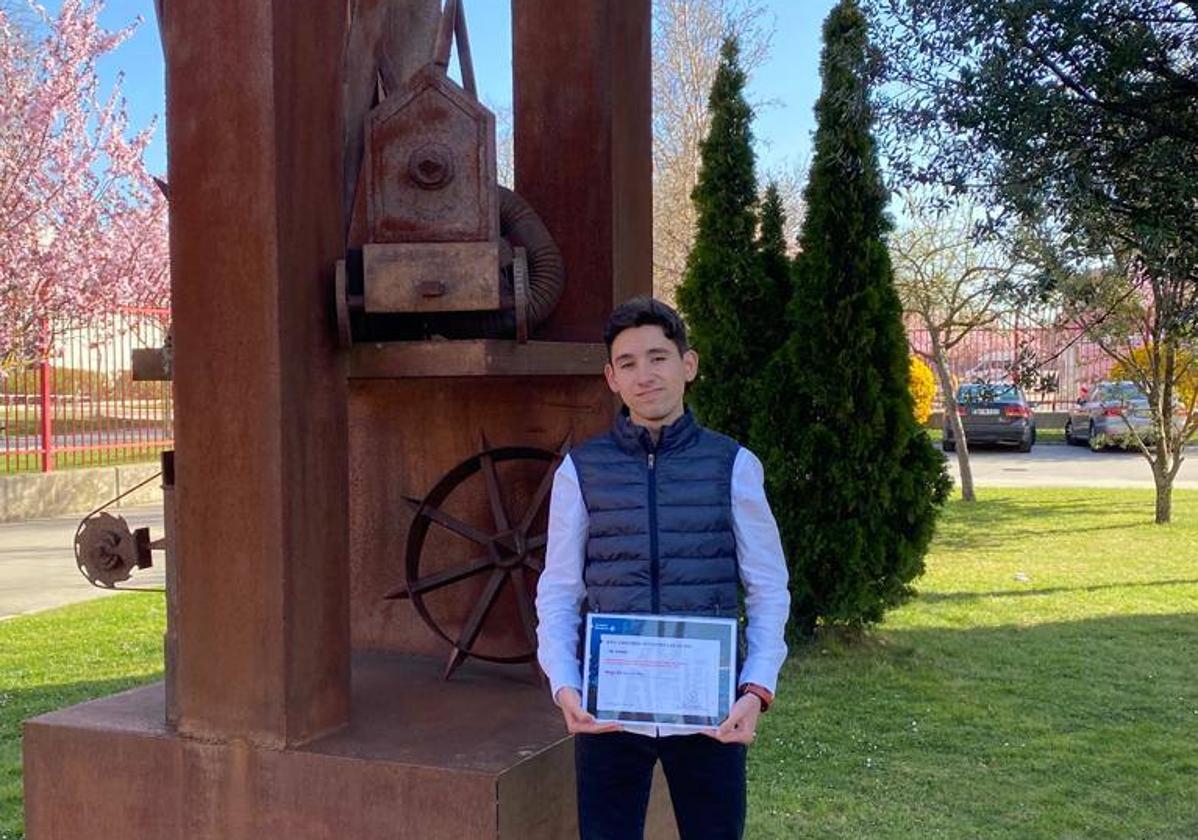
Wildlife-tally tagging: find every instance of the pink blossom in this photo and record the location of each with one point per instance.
(83, 228)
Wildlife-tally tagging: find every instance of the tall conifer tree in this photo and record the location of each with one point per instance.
(768, 310)
(723, 270)
(854, 482)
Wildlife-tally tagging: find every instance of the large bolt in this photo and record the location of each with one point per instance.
(431, 166)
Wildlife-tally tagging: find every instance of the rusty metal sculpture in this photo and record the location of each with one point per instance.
(512, 551)
(107, 551)
(436, 247)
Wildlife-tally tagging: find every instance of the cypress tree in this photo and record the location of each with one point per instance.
(723, 270)
(768, 310)
(855, 484)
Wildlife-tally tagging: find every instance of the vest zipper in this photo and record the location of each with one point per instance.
(654, 569)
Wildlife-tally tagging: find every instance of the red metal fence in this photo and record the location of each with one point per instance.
(1062, 361)
(80, 405)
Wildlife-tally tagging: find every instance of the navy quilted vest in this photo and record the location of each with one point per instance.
(660, 538)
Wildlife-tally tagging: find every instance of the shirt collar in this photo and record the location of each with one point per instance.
(637, 439)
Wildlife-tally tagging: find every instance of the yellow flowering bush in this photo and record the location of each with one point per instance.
(923, 388)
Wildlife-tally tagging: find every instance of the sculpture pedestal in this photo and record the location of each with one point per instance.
(481, 756)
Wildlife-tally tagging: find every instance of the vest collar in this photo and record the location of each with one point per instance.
(636, 439)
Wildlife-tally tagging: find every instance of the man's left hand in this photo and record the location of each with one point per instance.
(740, 727)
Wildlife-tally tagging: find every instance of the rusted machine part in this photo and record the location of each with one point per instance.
(170, 638)
(519, 227)
(453, 24)
(107, 551)
(520, 291)
(512, 552)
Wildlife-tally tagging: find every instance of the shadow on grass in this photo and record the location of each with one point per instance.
(18, 705)
(935, 597)
(970, 525)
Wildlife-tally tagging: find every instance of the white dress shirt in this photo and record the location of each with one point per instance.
(762, 567)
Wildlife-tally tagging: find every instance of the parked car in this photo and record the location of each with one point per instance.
(1110, 413)
(993, 413)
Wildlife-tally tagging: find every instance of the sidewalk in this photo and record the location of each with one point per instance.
(37, 562)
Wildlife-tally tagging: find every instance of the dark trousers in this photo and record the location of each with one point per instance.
(615, 770)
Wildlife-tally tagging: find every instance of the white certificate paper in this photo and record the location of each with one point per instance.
(670, 670)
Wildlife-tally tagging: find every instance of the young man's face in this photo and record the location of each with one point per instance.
(650, 375)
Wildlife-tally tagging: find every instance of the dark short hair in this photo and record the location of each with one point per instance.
(641, 311)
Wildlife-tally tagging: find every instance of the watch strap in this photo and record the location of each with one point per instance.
(760, 692)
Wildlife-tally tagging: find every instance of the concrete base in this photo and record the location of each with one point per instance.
(482, 756)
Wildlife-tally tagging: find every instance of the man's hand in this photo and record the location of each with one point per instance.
(579, 720)
(740, 727)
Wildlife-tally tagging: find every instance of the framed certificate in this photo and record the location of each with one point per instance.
(676, 671)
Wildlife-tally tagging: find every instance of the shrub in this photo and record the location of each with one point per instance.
(923, 389)
(854, 482)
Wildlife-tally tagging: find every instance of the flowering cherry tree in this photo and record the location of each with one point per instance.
(82, 224)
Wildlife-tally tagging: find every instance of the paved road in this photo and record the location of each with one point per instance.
(1068, 466)
(37, 562)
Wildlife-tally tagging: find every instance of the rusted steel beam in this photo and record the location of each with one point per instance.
(583, 160)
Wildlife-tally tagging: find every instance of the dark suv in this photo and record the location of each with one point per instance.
(993, 413)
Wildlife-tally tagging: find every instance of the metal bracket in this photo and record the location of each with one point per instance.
(520, 289)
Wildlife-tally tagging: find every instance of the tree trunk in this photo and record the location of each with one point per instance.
(940, 360)
(1169, 446)
(1164, 492)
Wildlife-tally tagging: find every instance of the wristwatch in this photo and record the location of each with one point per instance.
(759, 691)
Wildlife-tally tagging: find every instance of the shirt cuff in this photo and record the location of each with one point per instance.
(760, 675)
(556, 685)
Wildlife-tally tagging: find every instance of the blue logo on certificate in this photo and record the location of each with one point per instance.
(674, 671)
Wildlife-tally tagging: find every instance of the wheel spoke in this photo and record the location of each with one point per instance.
(432, 582)
(537, 564)
(456, 525)
(525, 604)
(493, 492)
(539, 541)
(481, 607)
(539, 497)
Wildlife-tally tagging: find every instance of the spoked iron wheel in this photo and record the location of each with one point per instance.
(510, 551)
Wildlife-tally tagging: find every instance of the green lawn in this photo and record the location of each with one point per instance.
(62, 657)
(1043, 436)
(1044, 684)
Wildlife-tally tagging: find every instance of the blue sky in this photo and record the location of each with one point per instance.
(787, 84)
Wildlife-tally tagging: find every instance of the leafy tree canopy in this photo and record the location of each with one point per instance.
(1076, 115)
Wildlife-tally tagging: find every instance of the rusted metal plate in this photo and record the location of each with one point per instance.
(406, 435)
(260, 427)
(431, 276)
(430, 162)
(149, 365)
(399, 35)
(485, 758)
(481, 357)
(583, 159)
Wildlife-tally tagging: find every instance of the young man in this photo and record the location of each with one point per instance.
(660, 515)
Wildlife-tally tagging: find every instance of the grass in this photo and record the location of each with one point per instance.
(32, 462)
(1043, 685)
(1043, 436)
(65, 656)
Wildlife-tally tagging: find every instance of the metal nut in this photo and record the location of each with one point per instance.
(431, 166)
